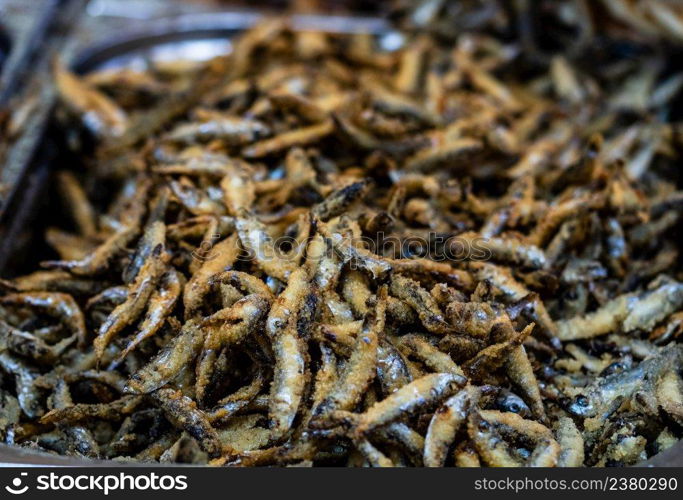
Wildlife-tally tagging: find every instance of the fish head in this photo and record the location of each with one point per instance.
(582, 406)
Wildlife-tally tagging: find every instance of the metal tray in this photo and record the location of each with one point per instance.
(191, 36)
(201, 36)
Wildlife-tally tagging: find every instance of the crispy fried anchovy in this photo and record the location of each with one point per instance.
(138, 296)
(286, 140)
(428, 354)
(82, 412)
(289, 351)
(444, 152)
(245, 283)
(260, 246)
(221, 257)
(185, 414)
(392, 370)
(361, 367)
(598, 398)
(80, 437)
(24, 377)
(159, 307)
(53, 281)
(507, 250)
(170, 361)
(422, 302)
(81, 210)
(340, 200)
(28, 345)
(508, 425)
(98, 261)
(629, 312)
(425, 391)
(571, 444)
(240, 399)
(513, 290)
(10, 413)
(495, 355)
(58, 305)
(445, 423)
(171, 106)
(522, 375)
(227, 328)
(360, 257)
(229, 130)
(298, 105)
(98, 112)
(374, 457)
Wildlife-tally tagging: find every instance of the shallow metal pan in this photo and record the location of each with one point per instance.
(171, 38)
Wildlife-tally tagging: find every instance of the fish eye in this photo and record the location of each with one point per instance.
(616, 367)
(582, 401)
(512, 403)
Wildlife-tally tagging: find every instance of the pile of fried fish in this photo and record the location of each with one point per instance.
(574, 22)
(317, 251)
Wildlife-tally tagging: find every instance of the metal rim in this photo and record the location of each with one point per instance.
(220, 25)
